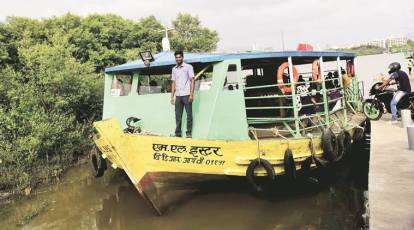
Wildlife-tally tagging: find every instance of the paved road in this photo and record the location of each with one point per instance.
(391, 178)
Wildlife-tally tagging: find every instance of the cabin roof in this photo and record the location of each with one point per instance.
(166, 59)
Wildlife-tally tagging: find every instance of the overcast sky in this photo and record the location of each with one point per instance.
(242, 23)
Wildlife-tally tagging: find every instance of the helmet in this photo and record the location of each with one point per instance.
(395, 66)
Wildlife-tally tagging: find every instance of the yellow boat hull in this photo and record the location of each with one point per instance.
(147, 158)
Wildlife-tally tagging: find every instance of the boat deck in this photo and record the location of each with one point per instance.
(272, 132)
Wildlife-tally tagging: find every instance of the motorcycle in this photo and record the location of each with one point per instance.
(380, 102)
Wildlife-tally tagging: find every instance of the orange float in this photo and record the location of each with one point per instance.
(316, 70)
(286, 88)
(350, 68)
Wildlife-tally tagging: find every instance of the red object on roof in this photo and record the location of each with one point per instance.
(304, 47)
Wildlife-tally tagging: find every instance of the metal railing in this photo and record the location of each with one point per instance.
(292, 122)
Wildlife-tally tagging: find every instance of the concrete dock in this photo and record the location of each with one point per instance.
(391, 178)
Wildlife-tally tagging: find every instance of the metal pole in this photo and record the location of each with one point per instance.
(293, 92)
(338, 65)
(406, 118)
(410, 136)
(323, 91)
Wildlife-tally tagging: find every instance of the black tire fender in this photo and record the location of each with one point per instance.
(98, 164)
(320, 162)
(305, 167)
(329, 145)
(250, 172)
(347, 141)
(289, 164)
(342, 147)
(358, 134)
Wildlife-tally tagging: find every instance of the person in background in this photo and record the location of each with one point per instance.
(329, 81)
(410, 65)
(346, 80)
(306, 98)
(336, 79)
(403, 86)
(182, 90)
(300, 79)
(118, 86)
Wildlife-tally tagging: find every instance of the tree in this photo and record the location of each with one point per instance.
(51, 84)
(190, 36)
(46, 114)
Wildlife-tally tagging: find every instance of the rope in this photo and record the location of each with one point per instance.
(310, 136)
(276, 132)
(254, 132)
(335, 123)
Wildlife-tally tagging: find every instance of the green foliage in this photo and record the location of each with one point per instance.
(403, 48)
(190, 36)
(364, 50)
(46, 117)
(368, 50)
(51, 84)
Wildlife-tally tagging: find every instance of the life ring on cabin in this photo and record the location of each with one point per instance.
(250, 173)
(286, 88)
(350, 68)
(98, 164)
(329, 145)
(316, 70)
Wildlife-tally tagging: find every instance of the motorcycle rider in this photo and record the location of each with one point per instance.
(403, 86)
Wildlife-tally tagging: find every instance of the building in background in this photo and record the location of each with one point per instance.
(378, 42)
(387, 42)
(396, 41)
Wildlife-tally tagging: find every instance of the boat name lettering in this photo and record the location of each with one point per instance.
(177, 148)
(166, 157)
(186, 160)
(204, 151)
(195, 151)
(159, 147)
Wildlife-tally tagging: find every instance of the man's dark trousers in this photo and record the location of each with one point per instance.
(180, 103)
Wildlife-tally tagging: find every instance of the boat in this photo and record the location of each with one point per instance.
(250, 119)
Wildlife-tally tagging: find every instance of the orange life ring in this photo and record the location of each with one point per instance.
(316, 70)
(350, 68)
(286, 88)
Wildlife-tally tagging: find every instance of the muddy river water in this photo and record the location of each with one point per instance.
(80, 201)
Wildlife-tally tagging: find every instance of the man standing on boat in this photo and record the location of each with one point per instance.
(182, 89)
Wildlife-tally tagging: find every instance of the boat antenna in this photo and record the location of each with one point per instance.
(283, 40)
(165, 41)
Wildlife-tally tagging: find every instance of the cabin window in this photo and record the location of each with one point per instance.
(231, 80)
(154, 84)
(121, 85)
(252, 76)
